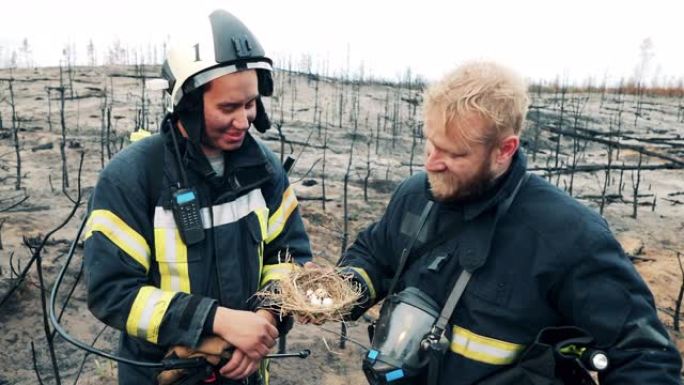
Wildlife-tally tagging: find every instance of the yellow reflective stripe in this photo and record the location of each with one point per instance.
(483, 349)
(172, 257)
(122, 235)
(277, 221)
(262, 216)
(147, 313)
(277, 271)
(367, 281)
(263, 370)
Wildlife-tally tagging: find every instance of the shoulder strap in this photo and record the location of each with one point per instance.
(437, 333)
(155, 178)
(405, 253)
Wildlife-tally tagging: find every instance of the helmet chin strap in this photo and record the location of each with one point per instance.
(191, 117)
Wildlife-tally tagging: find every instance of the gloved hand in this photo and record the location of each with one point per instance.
(213, 349)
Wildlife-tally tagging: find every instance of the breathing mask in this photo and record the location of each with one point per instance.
(403, 339)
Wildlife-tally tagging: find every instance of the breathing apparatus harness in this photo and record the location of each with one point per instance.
(410, 332)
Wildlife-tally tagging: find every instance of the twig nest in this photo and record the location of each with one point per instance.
(323, 294)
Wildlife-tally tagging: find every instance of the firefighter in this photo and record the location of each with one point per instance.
(532, 269)
(186, 225)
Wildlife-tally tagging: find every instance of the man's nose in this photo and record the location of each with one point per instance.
(434, 161)
(242, 120)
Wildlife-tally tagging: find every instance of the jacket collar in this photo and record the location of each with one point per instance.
(501, 189)
(244, 167)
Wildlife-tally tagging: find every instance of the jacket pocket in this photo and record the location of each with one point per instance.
(238, 247)
(171, 253)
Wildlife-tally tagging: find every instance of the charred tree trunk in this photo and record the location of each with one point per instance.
(325, 150)
(15, 133)
(678, 303)
(62, 143)
(606, 180)
(635, 188)
(368, 168)
(49, 114)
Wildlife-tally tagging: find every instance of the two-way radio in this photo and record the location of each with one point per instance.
(185, 205)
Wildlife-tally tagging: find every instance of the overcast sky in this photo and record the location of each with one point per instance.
(542, 39)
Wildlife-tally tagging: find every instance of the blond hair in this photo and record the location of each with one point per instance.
(487, 89)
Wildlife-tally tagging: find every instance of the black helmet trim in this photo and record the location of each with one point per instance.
(205, 77)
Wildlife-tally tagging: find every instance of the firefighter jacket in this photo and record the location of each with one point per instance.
(145, 281)
(552, 262)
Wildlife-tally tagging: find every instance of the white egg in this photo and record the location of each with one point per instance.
(315, 301)
(327, 302)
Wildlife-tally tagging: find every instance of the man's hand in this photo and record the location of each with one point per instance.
(268, 316)
(239, 366)
(249, 332)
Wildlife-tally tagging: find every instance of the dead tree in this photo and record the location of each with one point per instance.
(15, 131)
(293, 88)
(103, 127)
(340, 110)
(377, 133)
(325, 150)
(537, 122)
(366, 178)
(345, 232)
(315, 112)
(563, 91)
(62, 143)
(620, 109)
(49, 114)
(577, 149)
(282, 142)
(606, 180)
(635, 187)
(678, 303)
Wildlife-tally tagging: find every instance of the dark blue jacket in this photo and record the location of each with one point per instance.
(553, 262)
(143, 279)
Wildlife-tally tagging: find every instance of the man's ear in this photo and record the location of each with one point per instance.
(507, 148)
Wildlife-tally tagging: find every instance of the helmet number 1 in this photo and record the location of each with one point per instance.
(197, 55)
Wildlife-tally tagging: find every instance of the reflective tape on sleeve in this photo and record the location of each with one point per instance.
(147, 312)
(483, 349)
(277, 221)
(121, 234)
(277, 271)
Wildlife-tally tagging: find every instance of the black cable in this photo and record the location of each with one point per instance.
(64, 334)
(184, 176)
(165, 364)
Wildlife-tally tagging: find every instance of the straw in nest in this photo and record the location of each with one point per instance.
(320, 294)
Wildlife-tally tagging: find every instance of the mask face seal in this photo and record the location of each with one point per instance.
(397, 354)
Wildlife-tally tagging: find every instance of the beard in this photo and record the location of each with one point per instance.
(448, 187)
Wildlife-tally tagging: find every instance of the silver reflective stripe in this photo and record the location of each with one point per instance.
(163, 219)
(483, 349)
(230, 212)
(215, 73)
(172, 259)
(148, 311)
(224, 213)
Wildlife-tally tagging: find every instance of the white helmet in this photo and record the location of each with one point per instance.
(220, 47)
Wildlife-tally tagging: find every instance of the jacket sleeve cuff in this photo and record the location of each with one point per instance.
(208, 328)
(188, 319)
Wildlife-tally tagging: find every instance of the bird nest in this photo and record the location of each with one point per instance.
(316, 294)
